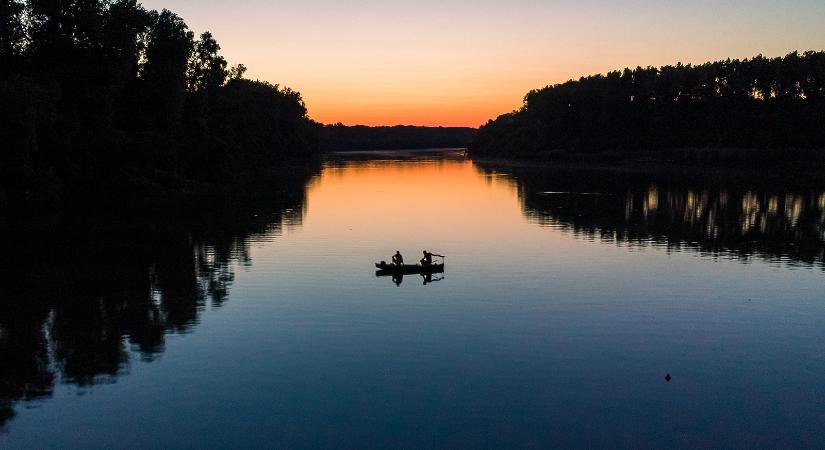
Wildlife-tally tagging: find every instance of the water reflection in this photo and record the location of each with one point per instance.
(536, 336)
(83, 293)
(779, 220)
(426, 278)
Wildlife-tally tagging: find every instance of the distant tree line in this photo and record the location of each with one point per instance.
(756, 103)
(340, 137)
(106, 96)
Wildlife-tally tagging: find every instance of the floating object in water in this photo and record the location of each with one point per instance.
(385, 269)
(668, 377)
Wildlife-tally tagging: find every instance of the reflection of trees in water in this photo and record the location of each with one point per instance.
(737, 218)
(80, 295)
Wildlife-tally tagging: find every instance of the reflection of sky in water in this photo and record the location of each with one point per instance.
(537, 334)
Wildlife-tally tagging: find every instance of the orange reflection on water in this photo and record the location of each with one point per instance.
(358, 213)
(404, 199)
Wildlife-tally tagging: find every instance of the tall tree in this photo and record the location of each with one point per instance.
(207, 69)
(12, 33)
(169, 46)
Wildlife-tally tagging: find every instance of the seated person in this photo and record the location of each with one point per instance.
(428, 258)
(397, 259)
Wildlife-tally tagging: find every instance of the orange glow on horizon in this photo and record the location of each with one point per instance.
(434, 114)
(455, 98)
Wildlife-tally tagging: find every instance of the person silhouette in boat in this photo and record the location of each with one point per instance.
(427, 260)
(397, 259)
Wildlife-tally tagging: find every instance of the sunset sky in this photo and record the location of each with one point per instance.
(462, 62)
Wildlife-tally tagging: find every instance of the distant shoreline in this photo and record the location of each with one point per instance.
(800, 175)
(680, 158)
(342, 138)
(395, 151)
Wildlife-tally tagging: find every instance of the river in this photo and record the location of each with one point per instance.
(568, 296)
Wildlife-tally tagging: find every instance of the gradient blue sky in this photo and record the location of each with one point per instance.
(460, 62)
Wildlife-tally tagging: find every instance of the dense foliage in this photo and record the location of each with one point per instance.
(754, 103)
(340, 137)
(105, 96)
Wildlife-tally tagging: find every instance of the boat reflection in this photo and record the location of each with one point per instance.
(426, 278)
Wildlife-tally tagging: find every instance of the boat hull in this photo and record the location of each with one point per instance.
(385, 270)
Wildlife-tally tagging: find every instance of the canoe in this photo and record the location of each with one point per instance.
(389, 269)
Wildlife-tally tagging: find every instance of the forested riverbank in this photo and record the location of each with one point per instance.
(106, 98)
(753, 111)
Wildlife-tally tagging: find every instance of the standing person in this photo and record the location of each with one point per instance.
(397, 259)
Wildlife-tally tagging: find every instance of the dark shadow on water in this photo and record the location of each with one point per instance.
(778, 217)
(426, 278)
(83, 294)
(430, 278)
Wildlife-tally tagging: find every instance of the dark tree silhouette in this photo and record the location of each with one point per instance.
(207, 69)
(339, 137)
(105, 98)
(647, 112)
(168, 50)
(11, 34)
(236, 72)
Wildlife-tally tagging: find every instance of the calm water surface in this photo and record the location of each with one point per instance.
(568, 296)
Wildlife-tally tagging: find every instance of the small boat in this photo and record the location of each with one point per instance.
(385, 269)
